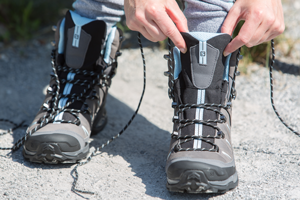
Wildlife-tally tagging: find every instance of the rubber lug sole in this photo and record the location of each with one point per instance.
(50, 153)
(194, 181)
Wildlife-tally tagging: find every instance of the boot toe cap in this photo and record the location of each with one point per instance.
(67, 143)
(213, 169)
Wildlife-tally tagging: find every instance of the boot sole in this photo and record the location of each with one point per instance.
(195, 181)
(50, 153)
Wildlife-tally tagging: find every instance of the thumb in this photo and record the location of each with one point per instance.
(231, 21)
(229, 24)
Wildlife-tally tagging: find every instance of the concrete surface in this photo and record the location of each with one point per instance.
(132, 167)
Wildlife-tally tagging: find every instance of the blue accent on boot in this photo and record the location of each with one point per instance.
(203, 36)
(177, 62)
(226, 69)
(109, 42)
(61, 42)
(79, 20)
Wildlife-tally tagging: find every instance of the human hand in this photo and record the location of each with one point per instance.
(155, 20)
(263, 22)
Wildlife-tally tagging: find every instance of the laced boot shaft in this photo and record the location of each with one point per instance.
(201, 86)
(83, 63)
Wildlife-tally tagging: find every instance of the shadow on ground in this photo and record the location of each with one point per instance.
(287, 68)
(143, 145)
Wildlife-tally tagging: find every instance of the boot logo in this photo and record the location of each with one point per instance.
(202, 52)
(76, 36)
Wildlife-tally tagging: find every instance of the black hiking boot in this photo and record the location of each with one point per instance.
(201, 85)
(84, 61)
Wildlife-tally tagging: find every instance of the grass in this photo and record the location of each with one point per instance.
(20, 20)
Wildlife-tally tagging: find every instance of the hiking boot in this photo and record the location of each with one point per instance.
(201, 85)
(84, 61)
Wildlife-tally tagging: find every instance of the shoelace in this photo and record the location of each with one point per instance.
(271, 67)
(54, 110)
(51, 108)
(207, 106)
(75, 170)
(212, 107)
(186, 122)
(15, 126)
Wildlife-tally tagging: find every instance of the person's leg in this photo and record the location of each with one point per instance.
(84, 61)
(201, 157)
(206, 16)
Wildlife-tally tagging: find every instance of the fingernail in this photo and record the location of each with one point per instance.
(183, 50)
(225, 53)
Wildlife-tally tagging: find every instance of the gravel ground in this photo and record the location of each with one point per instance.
(132, 167)
(289, 47)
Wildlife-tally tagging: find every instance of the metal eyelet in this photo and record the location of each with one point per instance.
(167, 57)
(167, 73)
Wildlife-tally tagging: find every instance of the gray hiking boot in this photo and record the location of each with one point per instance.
(201, 85)
(84, 62)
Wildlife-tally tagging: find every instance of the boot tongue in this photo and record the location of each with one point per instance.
(205, 57)
(84, 39)
(80, 43)
(202, 74)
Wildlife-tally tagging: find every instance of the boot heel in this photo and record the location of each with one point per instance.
(99, 122)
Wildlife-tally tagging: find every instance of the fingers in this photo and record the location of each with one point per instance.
(244, 37)
(155, 31)
(263, 22)
(231, 21)
(267, 37)
(264, 32)
(273, 32)
(163, 21)
(155, 20)
(276, 29)
(169, 29)
(145, 33)
(177, 16)
(147, 27)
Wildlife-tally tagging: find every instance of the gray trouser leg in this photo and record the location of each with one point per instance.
(109, 11)
(206, 15)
